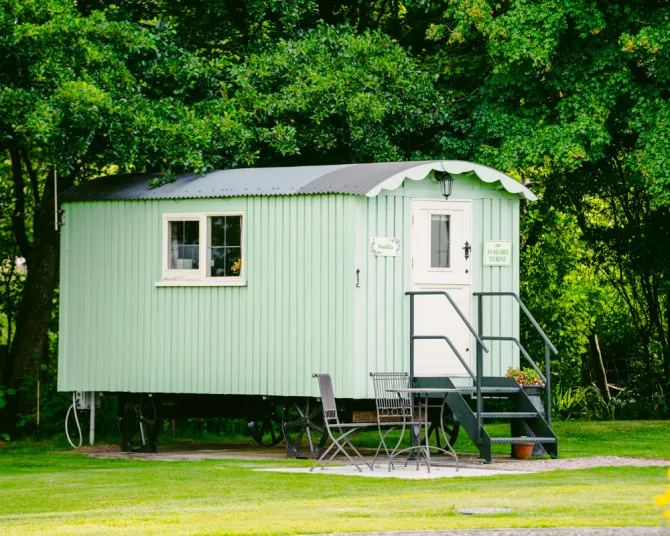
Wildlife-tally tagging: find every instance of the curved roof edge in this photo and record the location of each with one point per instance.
(454, 167)
(356, 179)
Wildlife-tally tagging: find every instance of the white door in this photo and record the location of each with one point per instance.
(441, 237)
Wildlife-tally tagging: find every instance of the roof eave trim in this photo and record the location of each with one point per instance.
(454, 167)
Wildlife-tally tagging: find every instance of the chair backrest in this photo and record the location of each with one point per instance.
(327, 398)
(392, 406)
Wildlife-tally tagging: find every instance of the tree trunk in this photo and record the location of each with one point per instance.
(666, 347)
(598, 359)
(35, 309)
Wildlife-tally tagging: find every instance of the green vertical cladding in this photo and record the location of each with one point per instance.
(119, 332)
(305, 309)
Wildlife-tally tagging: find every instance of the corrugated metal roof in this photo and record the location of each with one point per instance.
(357, 179)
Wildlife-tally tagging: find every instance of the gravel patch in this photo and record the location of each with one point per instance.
(538, 466)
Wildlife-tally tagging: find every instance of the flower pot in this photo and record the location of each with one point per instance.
(532, 390)
(523, 450)
(520, 427)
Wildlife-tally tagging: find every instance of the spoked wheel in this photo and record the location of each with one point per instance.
(303, 429)
(451, 425)
(266, 430)
(138, 423)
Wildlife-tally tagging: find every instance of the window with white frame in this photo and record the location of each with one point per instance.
(203, 248)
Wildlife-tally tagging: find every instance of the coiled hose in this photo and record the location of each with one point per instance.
(73, 409)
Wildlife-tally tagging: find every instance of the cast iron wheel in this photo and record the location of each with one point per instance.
(451, 425)
(138, 423)
(267, 429)
(303, 429)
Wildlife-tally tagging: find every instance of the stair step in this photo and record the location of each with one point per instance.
(499, 440)
(508, 415)
(490, 390)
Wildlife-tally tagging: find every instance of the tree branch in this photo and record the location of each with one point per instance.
(31, 174)
(19, 216)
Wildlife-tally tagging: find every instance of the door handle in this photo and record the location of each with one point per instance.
(467, 249)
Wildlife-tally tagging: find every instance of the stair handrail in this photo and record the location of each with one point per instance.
(548, 346)
(480, 345)
(526, 312)
(521, 349)
(445, 338)
(413, 293)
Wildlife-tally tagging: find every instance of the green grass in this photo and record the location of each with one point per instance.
(46, 490)
(641, 439)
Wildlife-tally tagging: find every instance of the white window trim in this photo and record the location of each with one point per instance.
(198, 278)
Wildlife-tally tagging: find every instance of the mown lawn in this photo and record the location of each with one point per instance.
(46, 490)
(642, 439)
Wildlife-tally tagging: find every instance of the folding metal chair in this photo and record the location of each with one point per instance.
(394, 410)
(338, 432)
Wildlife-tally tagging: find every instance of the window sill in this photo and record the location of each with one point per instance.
(201, 283)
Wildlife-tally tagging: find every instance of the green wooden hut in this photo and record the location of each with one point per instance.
(237, 285)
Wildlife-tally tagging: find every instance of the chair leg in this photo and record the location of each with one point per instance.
(382, 442)
(356, 452)
(337, 443)
(322, 457)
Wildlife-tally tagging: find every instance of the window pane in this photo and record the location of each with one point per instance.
(439, 241)
(225, 262)
(225, 251)
(226, 231)
(184, 239)
(218, 226)
(233, 231)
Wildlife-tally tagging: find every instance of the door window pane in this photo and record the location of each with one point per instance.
(225, 247)
(439, 241)
(184, 245)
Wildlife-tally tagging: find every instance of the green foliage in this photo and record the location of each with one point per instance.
(335, 96)
(95, 93)
(572, 97)
(4, 393)
(566, 401)
(557, 289)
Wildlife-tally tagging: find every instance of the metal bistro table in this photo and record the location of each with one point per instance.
(425, 447)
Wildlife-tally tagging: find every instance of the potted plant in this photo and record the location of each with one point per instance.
(531, 382)
(523, 450)
(527, 378)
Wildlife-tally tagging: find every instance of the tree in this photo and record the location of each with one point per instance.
(85, 93)
(334, 96)
(574, 96)
(81, 96)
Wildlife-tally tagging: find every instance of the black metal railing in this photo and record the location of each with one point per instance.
(480, 345)
(548, 346)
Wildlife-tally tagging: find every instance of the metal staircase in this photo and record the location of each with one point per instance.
(487, 387)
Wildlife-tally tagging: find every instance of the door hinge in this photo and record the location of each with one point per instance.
(412, 219)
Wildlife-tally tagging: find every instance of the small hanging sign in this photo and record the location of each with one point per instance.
(498, 253)
(383, 246)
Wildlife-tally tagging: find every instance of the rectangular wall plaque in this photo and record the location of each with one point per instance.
(498, 253)
(384, 246)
